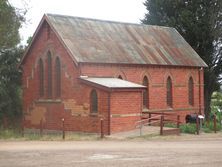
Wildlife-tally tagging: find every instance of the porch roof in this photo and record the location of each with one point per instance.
(111, 83)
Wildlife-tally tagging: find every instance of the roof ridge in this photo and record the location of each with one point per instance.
(106, 21)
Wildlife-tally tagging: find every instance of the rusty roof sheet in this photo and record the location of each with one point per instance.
(98, 41)
(112, 82)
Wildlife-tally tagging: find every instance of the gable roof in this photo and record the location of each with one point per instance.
(99, 41)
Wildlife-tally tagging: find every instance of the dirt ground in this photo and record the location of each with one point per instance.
(190, 150)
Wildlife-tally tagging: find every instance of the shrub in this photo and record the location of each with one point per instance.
(188, 128)
(210, 126)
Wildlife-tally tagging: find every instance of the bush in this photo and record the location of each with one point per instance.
(210, 127)
(188, 128)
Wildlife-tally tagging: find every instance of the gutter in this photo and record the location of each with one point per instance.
(200, 105)
(109, 114)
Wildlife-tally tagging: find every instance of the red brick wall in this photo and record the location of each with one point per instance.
(74, 103)
(157, 77)
(126, 108)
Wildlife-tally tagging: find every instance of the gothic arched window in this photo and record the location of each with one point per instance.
(57, 77)
(190, 92)
(94, 101)
(41, 78)
(169, 97)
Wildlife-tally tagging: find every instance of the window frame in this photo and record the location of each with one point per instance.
(49, 76)
(57, 77)
(146, 93)
(191, 91)
(169, 92)
(93, 102)
(41, 77)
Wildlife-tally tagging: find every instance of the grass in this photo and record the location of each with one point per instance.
(9, 134)
(190, 128)
(184, 128)
(209, 127)
(14, 134)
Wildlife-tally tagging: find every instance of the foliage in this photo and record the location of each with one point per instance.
(188, 128)
(191, 127)
(10, 54)
(209, 127)
(10, 134)
(10, 92)
(200, 23)
(11, 20)
(216, 106)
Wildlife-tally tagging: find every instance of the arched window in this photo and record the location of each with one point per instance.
(146, 93)
(49, 63)
(41, 78)
(57, 77)
(120, 77)
(169, 92)
(94, 101)
(190, 92)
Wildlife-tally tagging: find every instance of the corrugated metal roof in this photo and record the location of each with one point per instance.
(97, 41)
(112, 82)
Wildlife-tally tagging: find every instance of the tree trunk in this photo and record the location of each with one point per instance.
(207, 102)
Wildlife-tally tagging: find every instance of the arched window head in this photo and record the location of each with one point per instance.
(120, 77)
(94, 101)
(191, 91)
(146, 93)
(169, 92)
(57, 77)
(49, 64)
(41, 78)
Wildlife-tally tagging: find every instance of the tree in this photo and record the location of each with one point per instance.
(10, 54)
(200, 23)
(216, 105)
(10, 92)
(11, 20)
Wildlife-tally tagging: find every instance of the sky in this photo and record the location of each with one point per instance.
(116, 10)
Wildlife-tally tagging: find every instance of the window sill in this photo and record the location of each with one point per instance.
(170, 108)
(48, 101)
(93, 114)
(145, 110)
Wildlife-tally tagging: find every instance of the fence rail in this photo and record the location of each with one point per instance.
(160, 117)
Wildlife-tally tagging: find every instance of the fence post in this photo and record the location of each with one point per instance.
(63, 128)
(149, 119)
(197, 125)
(101, 129)
(178, 121)
(161, 125)
(215, 124)
(41, 128)
(23, 124)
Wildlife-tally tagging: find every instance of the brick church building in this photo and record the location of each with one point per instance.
(84, 69)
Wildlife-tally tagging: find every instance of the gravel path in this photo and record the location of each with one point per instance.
(180, 151)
